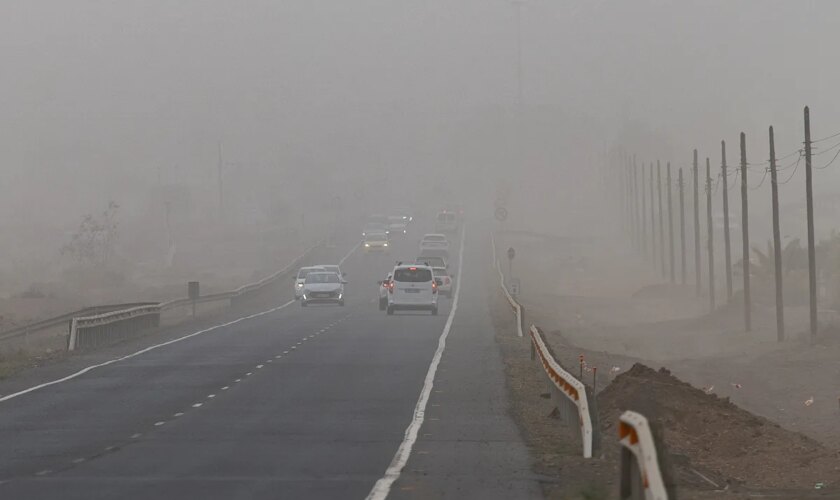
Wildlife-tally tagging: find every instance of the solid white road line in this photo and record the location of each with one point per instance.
(392, 473)
(141, 351)
(347, 256)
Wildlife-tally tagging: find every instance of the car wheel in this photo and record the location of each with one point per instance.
(341, 303)
(383, 303)
(434, 311)
(302, 303)
(390, 310)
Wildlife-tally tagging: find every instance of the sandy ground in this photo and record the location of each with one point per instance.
(605, 299)
(221, 259)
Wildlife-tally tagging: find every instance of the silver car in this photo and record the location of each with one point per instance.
(322, 287)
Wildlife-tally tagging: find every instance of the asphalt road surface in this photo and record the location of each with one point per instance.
(289, 403)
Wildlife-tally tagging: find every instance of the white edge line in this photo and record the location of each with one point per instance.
(141, 351)
(382, 487)
(347, 256)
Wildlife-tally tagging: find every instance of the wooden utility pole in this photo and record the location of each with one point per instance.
(727, 255)
(628, 172)
(697, 279)
(661, 218)
(777, 244)
(682, 227)
(636, 204)
(644, 214)
(809, 201)
(670, 224)
(652, 217)
(221, 189)
(711, 235)
(745, 236)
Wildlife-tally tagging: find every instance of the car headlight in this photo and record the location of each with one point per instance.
(367, 244)
(299, 285)
(385, 245)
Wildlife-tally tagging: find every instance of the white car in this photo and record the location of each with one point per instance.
(443, 281)
(433, 261)
(397, 225)
(433, 243)
(376, 242)
(384, 286)
(447, 222)
(333, 268)
(412, 287)
(300, 277)
(322, 287)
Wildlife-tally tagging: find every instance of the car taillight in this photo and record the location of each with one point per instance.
(434, 287)
(390, 286)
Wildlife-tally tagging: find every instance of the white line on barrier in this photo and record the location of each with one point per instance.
(141, 351)
(392, 473)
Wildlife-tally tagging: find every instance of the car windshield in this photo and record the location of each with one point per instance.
(375, 237)
(322, 278)
(434, 238)
(332, 269)
(413, 274)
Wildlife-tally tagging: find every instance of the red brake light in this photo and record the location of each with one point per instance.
(412, 268)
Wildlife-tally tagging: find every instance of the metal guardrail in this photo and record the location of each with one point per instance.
(93, 331)
(97, 319)
(572, 389)
(37, 326)
(518, 310)
(641, 475)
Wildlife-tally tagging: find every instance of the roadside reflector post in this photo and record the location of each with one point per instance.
(580, 360)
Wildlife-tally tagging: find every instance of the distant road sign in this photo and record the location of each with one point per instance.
(501, 214)
(511, 253)
(515, 287)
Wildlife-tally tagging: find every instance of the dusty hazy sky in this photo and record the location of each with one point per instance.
(104, 93)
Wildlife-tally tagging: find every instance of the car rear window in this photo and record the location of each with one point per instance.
(322, 277)
(434, 238)
(303, 272)
(413, 275)
(446, 217)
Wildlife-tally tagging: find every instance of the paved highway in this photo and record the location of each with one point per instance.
(322, 402)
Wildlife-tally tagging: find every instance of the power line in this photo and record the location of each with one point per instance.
(825, 138)
(795, 168)
(829, 163)
(762, 180)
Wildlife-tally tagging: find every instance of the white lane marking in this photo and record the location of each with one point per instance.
(225, 388)
(249, 374)
(269, 361)
(211, 396)
(197, 405)
(179, 414)
(259, 366)
(294, 347)
(238, 380)
(78, 460)
(110, 448)
(158, 424)
(341, 262)
(141, 351)
(392, 473)
(43, 472)
(278, 356)
(133, 436)
(285, 352)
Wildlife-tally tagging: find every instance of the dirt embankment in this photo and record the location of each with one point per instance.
(715, 448)
(709, 436)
